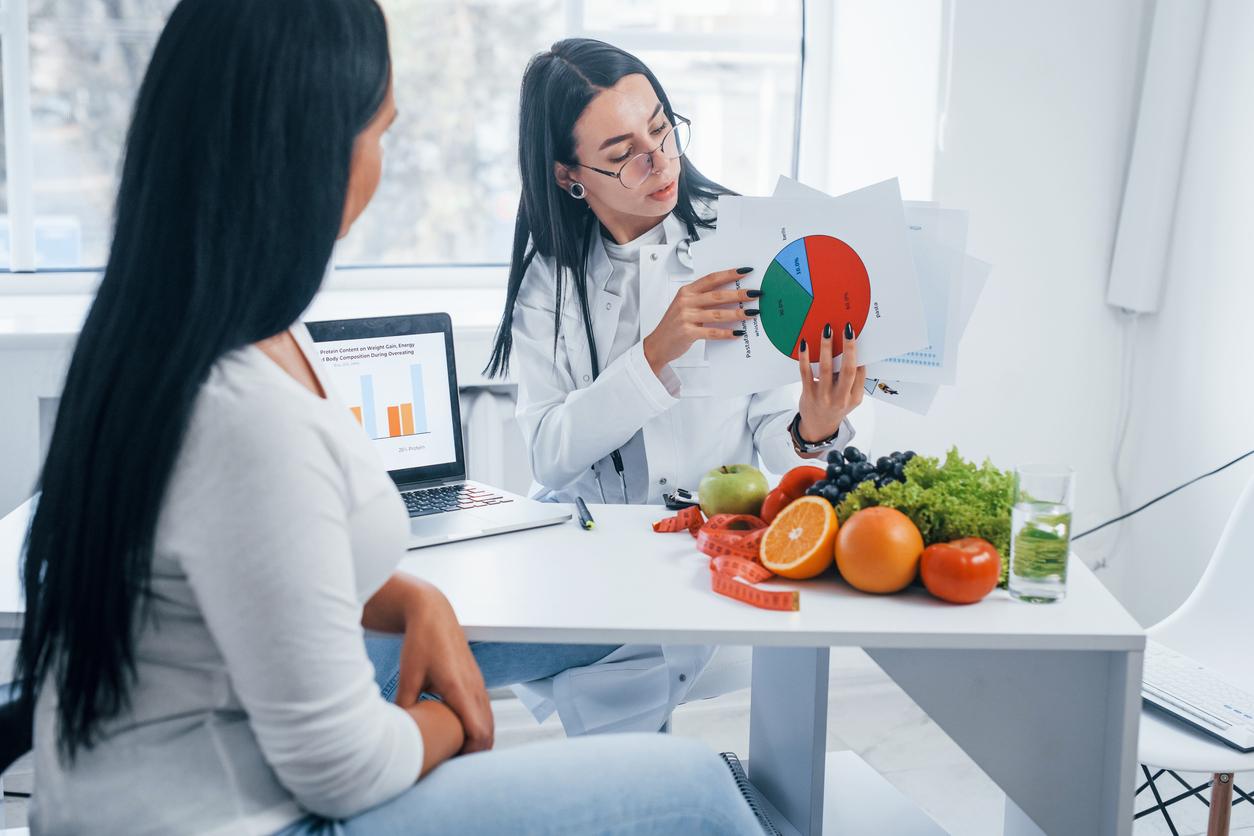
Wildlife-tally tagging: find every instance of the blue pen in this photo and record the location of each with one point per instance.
(585, 516)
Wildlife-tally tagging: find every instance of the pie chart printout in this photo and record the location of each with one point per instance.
(814, 281)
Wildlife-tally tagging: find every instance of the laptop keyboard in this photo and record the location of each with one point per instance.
(447, 498)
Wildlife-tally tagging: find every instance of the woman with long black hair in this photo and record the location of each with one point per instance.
(610, 203)
(214, 531)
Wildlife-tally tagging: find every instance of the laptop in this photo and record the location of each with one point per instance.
(398, 376)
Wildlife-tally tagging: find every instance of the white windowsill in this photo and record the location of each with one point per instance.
(46, 311)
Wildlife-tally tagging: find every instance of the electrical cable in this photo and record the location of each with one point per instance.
(1157, 499)
(1123, 417)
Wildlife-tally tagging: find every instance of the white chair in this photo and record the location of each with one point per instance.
(1213, 626)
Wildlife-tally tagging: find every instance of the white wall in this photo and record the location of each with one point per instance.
(1194, 403)
(1040, 111)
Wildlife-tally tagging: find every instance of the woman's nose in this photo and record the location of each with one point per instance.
(658, 163)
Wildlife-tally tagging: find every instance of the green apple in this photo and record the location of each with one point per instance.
(732, 489)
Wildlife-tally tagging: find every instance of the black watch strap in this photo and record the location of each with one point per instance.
(803, 446)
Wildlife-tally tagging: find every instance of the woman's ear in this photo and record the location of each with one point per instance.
(561, 173)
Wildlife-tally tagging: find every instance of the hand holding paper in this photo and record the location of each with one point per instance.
(826, 400)
(701, 310)
(895, 272)
(849, 262)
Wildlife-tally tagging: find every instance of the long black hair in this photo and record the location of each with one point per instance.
(232, 193)
(556, 88)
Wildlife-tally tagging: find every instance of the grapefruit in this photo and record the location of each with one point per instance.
(878, 550)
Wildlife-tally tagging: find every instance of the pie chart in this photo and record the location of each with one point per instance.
(813, 281)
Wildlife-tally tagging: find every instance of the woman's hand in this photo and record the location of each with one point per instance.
(826, 401)
(436, 658)
(695, 313)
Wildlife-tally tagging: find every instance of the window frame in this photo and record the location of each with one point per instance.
(19, 155)
(19, 160)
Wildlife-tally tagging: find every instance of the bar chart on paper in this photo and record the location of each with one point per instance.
(393, 403)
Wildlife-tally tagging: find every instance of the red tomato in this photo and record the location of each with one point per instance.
(792, 486)
(961, 572)
(775, 502)
(796, 481)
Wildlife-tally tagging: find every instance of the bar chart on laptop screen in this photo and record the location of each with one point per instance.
(397, 390)
(390, 408)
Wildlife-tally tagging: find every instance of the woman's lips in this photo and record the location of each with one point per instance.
(664, 193)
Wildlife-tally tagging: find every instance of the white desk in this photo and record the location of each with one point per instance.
(1046, 699)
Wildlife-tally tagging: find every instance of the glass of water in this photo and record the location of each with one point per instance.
(1040, 533)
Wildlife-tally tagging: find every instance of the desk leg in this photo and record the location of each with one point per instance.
(1057, 730)
(788, 732)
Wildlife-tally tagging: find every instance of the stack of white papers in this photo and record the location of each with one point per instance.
(897, 271)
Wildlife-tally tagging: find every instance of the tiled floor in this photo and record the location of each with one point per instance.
(870, 715)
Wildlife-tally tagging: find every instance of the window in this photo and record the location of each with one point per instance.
(450, 190)
(450, 182)
(87, 58)
(730, 66)
(450, 187)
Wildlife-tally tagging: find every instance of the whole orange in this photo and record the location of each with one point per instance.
(878, 549)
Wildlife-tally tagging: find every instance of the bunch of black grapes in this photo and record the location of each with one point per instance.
(849, 468)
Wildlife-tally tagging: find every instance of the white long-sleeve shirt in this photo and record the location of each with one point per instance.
(255, 701)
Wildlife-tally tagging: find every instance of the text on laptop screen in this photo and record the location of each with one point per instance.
(398, 390)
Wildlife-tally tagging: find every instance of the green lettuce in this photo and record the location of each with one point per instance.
(947, 501)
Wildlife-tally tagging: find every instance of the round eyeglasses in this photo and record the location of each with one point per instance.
(640, 168)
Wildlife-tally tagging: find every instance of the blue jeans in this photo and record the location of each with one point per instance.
(500, 663)
(608, 785)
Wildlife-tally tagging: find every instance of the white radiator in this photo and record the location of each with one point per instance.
(495, 453)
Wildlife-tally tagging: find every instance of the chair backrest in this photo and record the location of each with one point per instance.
(1217, 614)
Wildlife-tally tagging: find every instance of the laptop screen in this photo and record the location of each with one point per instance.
(398, 378)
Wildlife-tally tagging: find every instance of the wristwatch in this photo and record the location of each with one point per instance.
(802, 446)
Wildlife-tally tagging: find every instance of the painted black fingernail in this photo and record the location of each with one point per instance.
(743, 270)
(739, 332)
(753, 294)
(802, 349)
(752, 311)
(827, 331)
(849, 330)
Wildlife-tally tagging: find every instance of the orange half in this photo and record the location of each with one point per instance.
(801, 542)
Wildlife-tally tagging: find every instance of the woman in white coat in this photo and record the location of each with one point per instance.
(611, 409)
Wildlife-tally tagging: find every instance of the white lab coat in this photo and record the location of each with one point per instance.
(570, 421)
